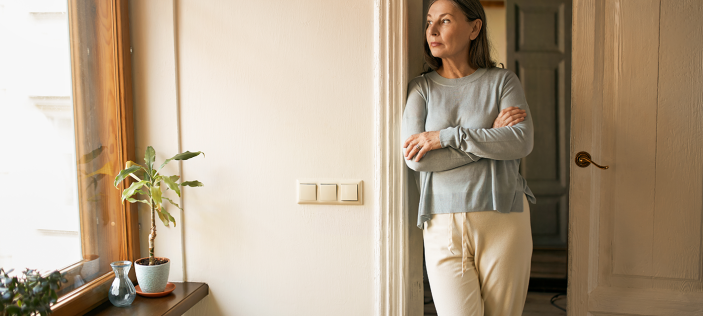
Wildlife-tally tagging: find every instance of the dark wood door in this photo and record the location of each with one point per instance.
(539, 52)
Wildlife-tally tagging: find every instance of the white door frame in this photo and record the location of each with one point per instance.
(391, 250)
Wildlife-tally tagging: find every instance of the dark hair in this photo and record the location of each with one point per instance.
(479, 49)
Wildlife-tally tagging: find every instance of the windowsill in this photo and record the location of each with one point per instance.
(185, 296)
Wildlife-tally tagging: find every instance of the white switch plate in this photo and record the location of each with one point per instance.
(336, 189)
(328, 192)
(348, 192)
(307, 192)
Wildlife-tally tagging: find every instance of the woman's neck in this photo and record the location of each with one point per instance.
(452, 69)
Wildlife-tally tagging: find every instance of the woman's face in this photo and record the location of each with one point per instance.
(448, 32)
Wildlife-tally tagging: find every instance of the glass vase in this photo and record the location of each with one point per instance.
(122, 291)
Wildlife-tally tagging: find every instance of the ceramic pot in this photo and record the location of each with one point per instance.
(152, 279)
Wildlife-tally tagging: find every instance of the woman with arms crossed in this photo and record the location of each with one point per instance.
(466, 125)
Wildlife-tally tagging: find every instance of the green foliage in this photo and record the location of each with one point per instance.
(182, 156)
(31, 294)
(195, 183)
(171, 183)
(126, 173)
(150, 185)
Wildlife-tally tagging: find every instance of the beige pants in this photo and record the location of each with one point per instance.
(478, 263)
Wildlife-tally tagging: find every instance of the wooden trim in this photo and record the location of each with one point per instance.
(586, 81)
(102, 80)
(84, 298)
(493, 3)
(632, 301)
(125, 114)
(391, 271)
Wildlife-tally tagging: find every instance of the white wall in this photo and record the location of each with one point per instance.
(271, 92)
(156, 112)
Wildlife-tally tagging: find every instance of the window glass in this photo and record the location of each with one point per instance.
(38, 180)
(60, 139)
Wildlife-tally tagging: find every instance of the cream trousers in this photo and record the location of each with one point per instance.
(478, 263)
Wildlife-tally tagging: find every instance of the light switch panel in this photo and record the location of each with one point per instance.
(307, 192)
(349, 192)
(328, 192)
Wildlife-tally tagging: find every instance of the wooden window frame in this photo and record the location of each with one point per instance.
(113, 79)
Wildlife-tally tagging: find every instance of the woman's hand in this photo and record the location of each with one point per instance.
(419, 144)
(509, 117)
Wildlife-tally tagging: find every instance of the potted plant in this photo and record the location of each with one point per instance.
(152, 272)
(31, 294)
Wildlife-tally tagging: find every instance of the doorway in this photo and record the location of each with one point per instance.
(532, 39)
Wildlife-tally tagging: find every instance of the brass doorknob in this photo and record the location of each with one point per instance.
(583, 159)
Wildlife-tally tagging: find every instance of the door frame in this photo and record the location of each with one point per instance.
(589, 78)
(391, 242)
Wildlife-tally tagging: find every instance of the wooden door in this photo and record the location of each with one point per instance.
(635, 230)
(539, 52)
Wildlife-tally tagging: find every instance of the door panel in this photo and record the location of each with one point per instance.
(538, 51)
(636, 228)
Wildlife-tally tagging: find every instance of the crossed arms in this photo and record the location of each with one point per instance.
(461, 146)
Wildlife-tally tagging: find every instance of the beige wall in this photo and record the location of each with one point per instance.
(155, 112)
(495, 18)
(271, 92)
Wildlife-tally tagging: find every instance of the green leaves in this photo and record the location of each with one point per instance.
(174, 204)
(149, 157)
(168, 217)
(127, 193)
(194, 183)
(156, 194)
(162, 217)
(182, 156)
(150, 186)
(125, 173)
(133, 200)
(31, 294)
(171, 183)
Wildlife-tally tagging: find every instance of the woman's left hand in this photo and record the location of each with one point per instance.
(419, 144)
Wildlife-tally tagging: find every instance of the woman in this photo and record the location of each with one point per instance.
(466, 126)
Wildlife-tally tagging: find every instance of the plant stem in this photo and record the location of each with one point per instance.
(152, 234)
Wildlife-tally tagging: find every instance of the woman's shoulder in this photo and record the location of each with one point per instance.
(419, 84)
(501, 78)
(420, 80)
(500, 73)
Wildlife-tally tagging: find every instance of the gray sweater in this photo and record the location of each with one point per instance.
(478, 167)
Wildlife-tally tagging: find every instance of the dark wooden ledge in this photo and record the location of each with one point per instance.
(185, 296)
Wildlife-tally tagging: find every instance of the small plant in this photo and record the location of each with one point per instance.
(150, 187)
(31, 294)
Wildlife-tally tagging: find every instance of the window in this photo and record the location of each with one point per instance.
(66, 131)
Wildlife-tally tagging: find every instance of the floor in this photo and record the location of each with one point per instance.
(537, 304)
(549, 263)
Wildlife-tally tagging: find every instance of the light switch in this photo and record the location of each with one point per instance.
(328, 192)
(307, 192)
(349, 192)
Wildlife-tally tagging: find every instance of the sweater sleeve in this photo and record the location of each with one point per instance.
(503, 143)
(413, 123)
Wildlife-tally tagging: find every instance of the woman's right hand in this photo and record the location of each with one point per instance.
(509, 117)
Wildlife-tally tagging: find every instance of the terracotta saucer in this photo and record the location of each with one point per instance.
(169, 288)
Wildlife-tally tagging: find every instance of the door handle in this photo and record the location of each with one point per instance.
(583, 159)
